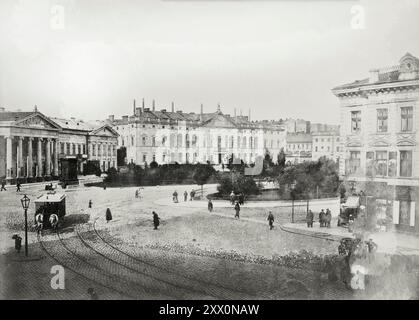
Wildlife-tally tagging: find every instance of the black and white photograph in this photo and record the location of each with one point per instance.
(218, 151)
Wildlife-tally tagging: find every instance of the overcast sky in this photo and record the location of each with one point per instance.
(279, 58)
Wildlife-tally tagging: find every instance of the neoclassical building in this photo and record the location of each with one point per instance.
(32, 144)
(175, 136)
(380, 141)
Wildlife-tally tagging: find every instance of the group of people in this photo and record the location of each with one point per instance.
(237, 198)
(3, 186)
(191, 194)
(325, 218)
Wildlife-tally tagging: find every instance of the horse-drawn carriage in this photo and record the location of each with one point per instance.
(47, 205)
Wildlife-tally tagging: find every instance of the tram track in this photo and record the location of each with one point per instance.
(215, 290)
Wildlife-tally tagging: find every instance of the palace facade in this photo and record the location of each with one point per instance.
(380, 141)
(175, 136)
(32, 145)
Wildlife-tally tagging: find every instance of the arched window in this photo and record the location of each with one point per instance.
(132, 140)
(144, 139)
(194, 140)
(187, 141)
(163, 141)
(231, 142)
(153, 141)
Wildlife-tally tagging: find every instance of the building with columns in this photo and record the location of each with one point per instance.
(32, 144)
(380, 142)
(175, 136)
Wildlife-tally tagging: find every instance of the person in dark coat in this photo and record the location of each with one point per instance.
(175, 200)
(271, 220)
(321, 218)
(237, 209)
(192, 193)
(18, 242)
(309, 219)
(18, 185)
(210, 205)
(185, 196)
(156, 220)
(90, 203)
(3, 186)
(108, 215)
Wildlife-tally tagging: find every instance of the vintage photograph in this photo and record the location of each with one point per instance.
(181, 150)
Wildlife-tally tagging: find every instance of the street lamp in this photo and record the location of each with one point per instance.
(25, 205)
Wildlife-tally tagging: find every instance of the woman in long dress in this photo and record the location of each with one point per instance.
(108, 215)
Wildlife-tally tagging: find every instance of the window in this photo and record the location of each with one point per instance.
(382, 118)
(381, 163)
(244, 142)
(144, 140)
(392, 164)
(405, 163)
(356, 121)
(132, 140)
(163, 141)
(144, 157)
(406, 118)
(354, 162)
(316, 149)
(153, 141)
(404, 213)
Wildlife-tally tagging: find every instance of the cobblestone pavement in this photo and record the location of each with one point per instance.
(127, 259)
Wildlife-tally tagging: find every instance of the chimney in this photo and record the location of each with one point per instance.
(249, 114)
(111, 118)
(235, 114)
(134, 108)
(35, 109)
(218, 108)
(154, 105)
(173, 106)
(201, 116)
(374, 75)
(143, 104)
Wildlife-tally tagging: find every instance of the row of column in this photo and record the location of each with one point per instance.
(102, 149)
(51, 148)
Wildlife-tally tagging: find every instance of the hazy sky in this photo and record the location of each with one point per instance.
(280, 58)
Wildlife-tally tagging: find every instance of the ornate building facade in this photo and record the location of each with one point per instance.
(380, 136)
(32, 144)
(166, 137)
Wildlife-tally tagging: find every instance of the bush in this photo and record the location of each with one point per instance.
(239, 183)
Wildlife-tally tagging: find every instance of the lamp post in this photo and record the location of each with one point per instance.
(25, 205)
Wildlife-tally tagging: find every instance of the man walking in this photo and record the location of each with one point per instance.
(328, 218)
(237, 208)
(156, 220)
(271, 220)
(18, 186)
(210, 205)
(232, 197)
(185, 196)
(309, 219)
(3, 186)
(175, 200)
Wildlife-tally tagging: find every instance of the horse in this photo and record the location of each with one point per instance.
(53, 220)
(39, 220)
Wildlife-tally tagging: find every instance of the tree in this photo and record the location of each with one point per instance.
(202, 174)
(239, 183)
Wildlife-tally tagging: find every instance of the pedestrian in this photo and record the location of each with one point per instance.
(18, 242)
(271, 220)
(328, 217)
(232, 197)
(156, 220)
(92, 293)
(39, 220)
(210, 205)
(185, 196)
(175, 199)
(136, 193)
(192, 193)
(241, 198)
(90, 203)
(237, 209)
(3, 186)
(53, 221)
(108, 215)
(321, 218)
(18, 186)
(309, 219)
